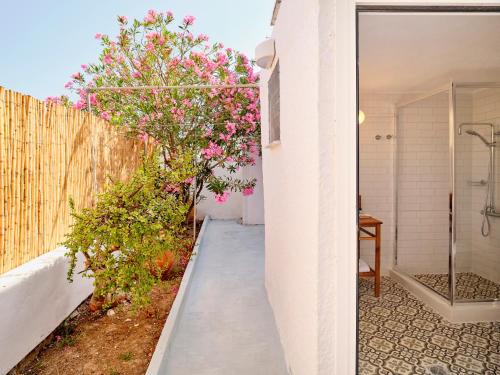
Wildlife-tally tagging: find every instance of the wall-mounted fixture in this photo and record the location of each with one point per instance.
(361, 117)
(264, 53)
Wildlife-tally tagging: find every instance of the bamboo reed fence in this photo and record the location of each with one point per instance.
(49, 153)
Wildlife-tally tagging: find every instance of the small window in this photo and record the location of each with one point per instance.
(274, 104)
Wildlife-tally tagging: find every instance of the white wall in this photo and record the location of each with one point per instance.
(231, 209)
(291, 187)
(253, 205)
(310, 273)
(34, 299)
(250, 209)
(376, 161)
(309, 188)
(424, 185)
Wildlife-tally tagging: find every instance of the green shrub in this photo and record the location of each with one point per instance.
(132, 224)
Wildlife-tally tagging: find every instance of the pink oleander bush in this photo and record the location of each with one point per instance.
(220, 127)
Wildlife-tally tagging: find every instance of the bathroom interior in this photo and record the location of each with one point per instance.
(429, 171)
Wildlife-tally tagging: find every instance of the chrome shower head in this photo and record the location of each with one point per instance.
(475, 133)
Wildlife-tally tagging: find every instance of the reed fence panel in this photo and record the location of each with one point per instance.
(49, 153)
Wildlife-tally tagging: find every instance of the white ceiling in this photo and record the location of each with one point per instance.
(419, 52)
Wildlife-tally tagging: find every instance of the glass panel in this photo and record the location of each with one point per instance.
(423, 191)
(477, 260)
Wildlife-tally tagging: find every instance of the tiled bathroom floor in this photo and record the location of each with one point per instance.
(400, 335)
(469, 285)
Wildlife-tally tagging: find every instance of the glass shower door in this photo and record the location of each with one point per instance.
(423, 190)
(477, 180)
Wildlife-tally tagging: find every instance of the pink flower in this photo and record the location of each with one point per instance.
(107, 59)
(122, 19)
(93, 99)
(76, 75)
(150, 46)
(189, 20)
(247, 191)
(152, 35)
(222, 58)
(244, 58)
(189, 180)
(53, 99)
(212, 150)
(222, 198)
(98, 36)
(187, 103)
(177, 114)
(174, 62)
(84, 66)
(231, 128)
(81, 104)
(136, 74)
(150, 16)
(68, 85)
(106, 116)
(202, 38)
(137, 64)
(169, 14)
(171, 188)
(187, 63)
(254, 150)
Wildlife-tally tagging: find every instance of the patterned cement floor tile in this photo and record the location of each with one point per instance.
(468, 285)
(400, 335)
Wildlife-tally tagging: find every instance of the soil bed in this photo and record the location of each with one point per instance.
(120, 342)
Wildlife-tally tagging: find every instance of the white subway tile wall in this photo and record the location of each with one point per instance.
(424, 185)
(376, 172)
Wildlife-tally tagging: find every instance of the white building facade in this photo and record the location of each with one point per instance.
(310, 181)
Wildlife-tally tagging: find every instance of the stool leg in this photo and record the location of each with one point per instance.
(377, 260)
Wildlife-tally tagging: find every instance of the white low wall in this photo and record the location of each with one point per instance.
(34, 299)
(250, 209)
(232, 209)
(253, 205)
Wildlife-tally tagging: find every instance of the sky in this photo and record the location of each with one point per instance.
(44, 42)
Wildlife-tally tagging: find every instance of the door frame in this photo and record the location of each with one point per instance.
(344, 320)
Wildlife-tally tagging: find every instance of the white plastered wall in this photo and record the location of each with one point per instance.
(316, 299)
(35, 298)
(250, 209)
(290, 172)
(231, 209)
(253, 205)
(309, 186)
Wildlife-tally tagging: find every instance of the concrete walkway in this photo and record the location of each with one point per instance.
(226, 325)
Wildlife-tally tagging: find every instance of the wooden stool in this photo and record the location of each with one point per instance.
(367, 221)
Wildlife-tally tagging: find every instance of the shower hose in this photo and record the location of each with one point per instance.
(485, 226)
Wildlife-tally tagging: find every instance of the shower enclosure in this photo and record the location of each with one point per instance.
(447, 184)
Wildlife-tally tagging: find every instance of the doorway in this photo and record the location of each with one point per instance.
(427, 176)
